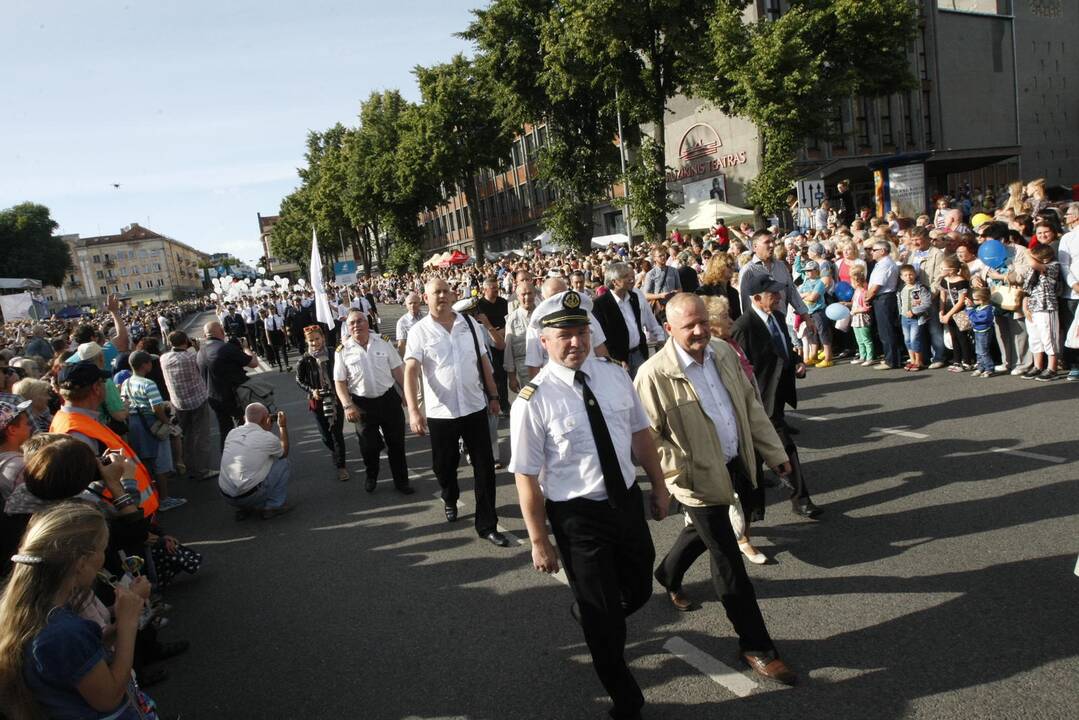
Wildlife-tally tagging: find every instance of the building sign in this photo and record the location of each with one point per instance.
(702, 190)
(701, 153)
(344, 272)
(906, 190)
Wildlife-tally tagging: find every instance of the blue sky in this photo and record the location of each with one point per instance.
(199, 110)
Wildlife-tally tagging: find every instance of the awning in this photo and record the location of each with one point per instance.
(455, 258)
(19, 284)
(703, 215)
(608, 240)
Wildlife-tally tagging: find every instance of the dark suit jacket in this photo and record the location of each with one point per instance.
(609, 316)
(775, 376)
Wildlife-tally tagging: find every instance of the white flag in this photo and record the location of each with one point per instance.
(322, 303)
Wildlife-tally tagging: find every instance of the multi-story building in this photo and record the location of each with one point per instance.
(276, 267)
(997, 100)
(137, 263)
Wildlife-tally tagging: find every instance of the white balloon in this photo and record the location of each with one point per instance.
(213, 296)
(277, 278)
(302, 282)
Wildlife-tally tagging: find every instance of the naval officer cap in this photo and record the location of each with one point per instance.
(562, 310)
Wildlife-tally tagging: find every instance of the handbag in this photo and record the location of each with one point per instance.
(962, 321)
(1008, 297)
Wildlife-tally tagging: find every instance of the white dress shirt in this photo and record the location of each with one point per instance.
(652, 330)
(273, 322)
(246, 459)
(713, 396)
(536, 356)
(1068, 255)
(885, 275)
(404, 324)
(360, 303)
(452, 387)
(550, 435)
(516, 337)
(368, 370)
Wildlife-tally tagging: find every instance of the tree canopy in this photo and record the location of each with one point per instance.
(28, 247)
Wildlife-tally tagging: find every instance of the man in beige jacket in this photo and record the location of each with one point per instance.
(708, 426)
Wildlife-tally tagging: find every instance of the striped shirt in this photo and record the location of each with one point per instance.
(142, 394)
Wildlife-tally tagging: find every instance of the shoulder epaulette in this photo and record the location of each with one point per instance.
(385, 337)
(526, 391)
(340, 347)
(604, 358)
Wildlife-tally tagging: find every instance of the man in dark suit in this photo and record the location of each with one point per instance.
(761, 332)
(297, 317)
(626, 318)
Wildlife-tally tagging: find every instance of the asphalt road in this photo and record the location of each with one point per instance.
(940, 582)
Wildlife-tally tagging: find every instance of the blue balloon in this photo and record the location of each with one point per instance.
(843, 291)
(837, 311)
(993, 253)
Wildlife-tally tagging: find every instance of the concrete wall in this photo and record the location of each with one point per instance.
(976, 80)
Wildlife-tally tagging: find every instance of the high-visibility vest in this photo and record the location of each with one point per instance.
(66, 422)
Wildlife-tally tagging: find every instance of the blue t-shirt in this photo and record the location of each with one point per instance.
(109, 350)
(810, 285)
(56, 661)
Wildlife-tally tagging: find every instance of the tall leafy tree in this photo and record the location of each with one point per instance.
(581, 161)
(28, 248)
(788, 75)
(460, 125)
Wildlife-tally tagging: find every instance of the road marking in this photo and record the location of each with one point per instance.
(816, 418)
(1029, 455)
(220, 542)
(1077, 566)
(900, 432)
(716, 671)
(509, 534)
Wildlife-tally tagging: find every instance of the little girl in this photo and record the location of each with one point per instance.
(954, 290)
(861, 315)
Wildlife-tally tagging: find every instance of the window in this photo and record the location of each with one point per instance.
(861, 122)
(97, 258)
(772, 10)
(143, 254)
(139, 285)
(516, 149)
(887, 137)
(127, 286)
(103, 290)
(123, 271)
(134, 269)
(160, 282)
(157, 267)
(981, 7)
(908, 119)
(100, 275)
(146, 268)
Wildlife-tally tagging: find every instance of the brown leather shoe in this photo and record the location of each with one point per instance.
(680, 600)
(774, 669)
(268, 513)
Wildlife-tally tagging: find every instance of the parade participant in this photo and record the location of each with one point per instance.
(709, 427)
(252, 319)
(366, 373)
(296, 318)
(314, 375)
(495, 308)
(190, 398)
(573, 432)
(223, 366)
(234, 326)
(513, 360)
(81, 386)
(406, 321)
(459, 391)
(762, 335)
(274, 325)
(626, 318)
(535, 355)
(255, 467)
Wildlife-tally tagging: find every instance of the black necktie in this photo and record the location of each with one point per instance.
(777, 337)
(613, 480)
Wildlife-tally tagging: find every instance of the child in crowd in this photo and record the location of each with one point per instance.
(861, 316)
(1040, 308)
(981, 313)
(954, 290)
(812, 292)
(914, 305)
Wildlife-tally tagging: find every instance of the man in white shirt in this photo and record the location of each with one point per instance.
(406, 321)
(366, 373)
(513, 359)
(254, 465)
(443, 350)
(535, 355)
(1068, 256)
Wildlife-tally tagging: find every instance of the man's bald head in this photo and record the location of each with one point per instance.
(685, 302)
(213, 329)
(553, 286)
(256, 413)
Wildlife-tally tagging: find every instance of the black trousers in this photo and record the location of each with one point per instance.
(276, 350)
(446, 454)
(886, 318)
(1066, 312)
(608, 556)
(382, 413)
(254, 342)
(227, 414)
(799, 492)
(501, 379)
(333, 435)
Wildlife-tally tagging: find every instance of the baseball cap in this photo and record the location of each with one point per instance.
(811, 266)
(757, 283)
(89, 351)
(979, 219)
(81, 374)
(562, 310)
(10, 411)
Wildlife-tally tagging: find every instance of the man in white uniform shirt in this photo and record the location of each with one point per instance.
(406, 321)
(513, 360)
(574, 431)
(254, 465)
(366, 373)
(535, 355)
(444, 351)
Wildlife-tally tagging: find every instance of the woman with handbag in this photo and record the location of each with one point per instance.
(954, 290)
(149, 428)
(314, 375)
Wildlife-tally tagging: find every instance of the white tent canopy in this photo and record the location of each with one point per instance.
(608, 240)
(703, 215)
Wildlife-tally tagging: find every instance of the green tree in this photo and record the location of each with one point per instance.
(28, 248)
(580, 162)
(788, 75)
(642, 54)
(460, 125)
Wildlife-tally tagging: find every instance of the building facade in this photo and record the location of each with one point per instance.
(137, 263)
(274, 265)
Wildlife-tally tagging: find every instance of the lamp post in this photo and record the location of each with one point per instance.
(622, 159)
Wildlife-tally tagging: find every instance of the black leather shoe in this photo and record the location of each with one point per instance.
(807, 509)
(405, 489)
(575, 611)
(496, 538)
(370, 484)
(451, 513)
